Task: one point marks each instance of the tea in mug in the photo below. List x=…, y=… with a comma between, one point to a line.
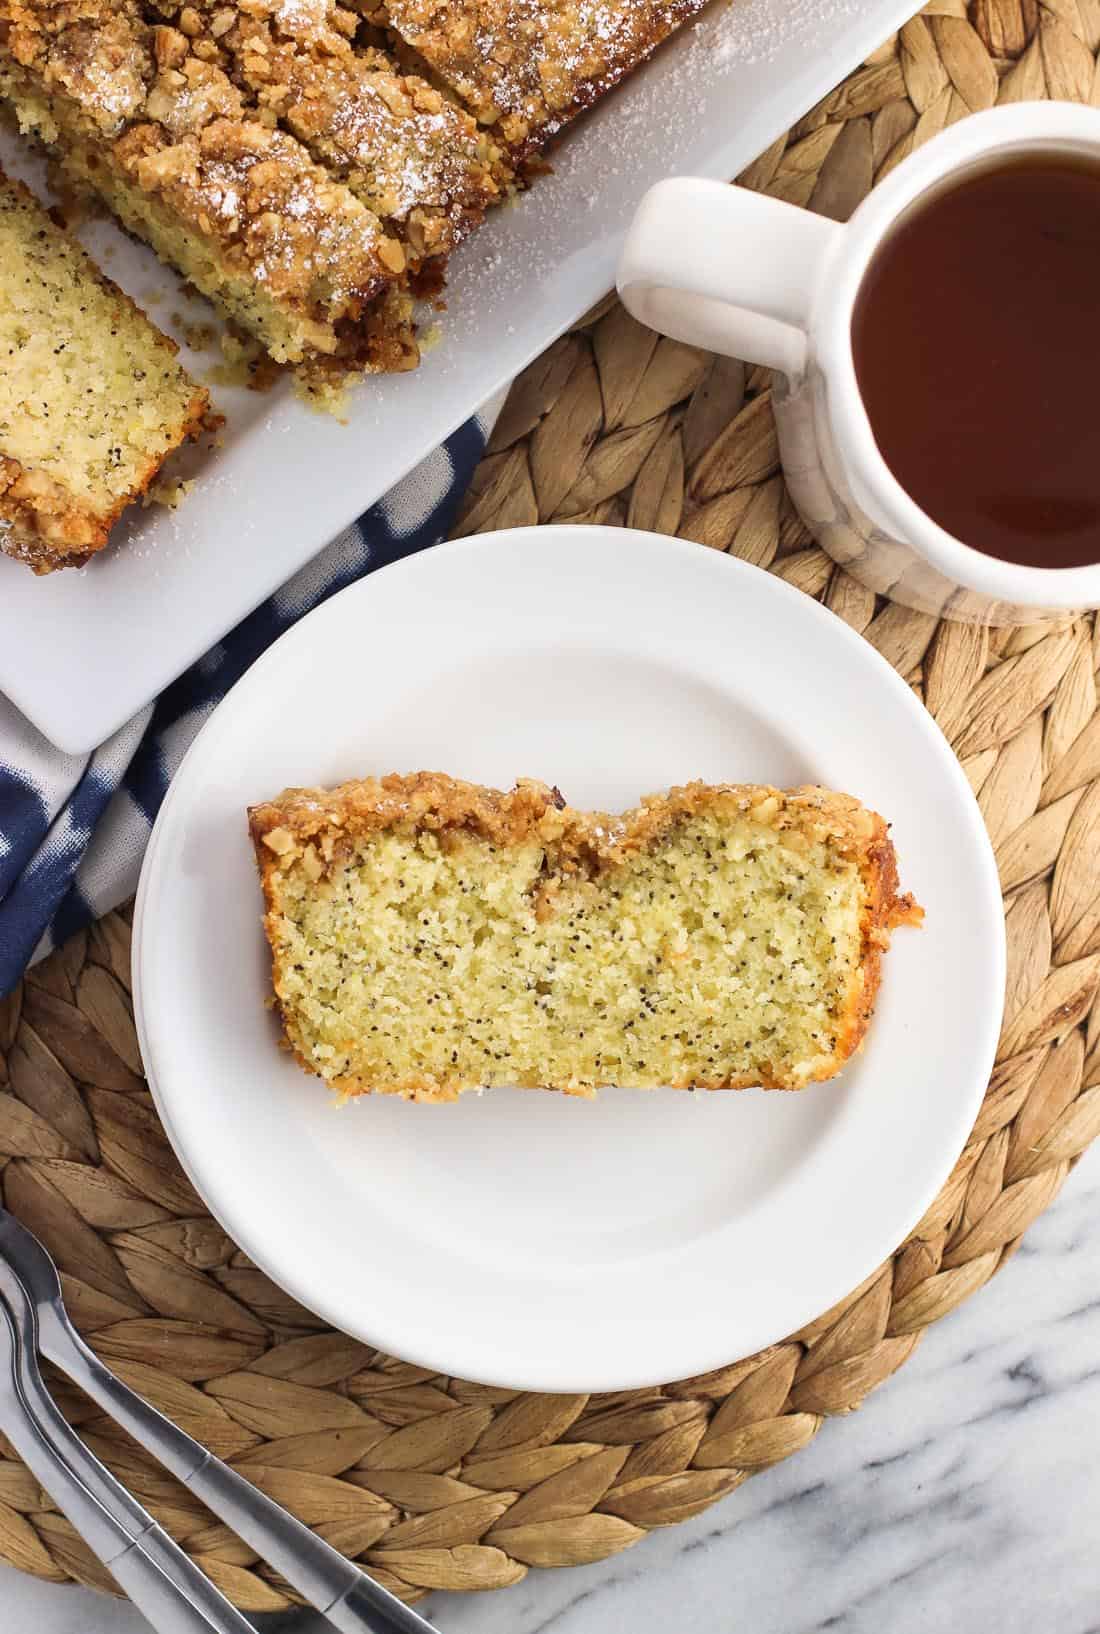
x=976, y=341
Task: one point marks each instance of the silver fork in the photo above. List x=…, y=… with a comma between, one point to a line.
x=171, y=1591
x=351, y=1600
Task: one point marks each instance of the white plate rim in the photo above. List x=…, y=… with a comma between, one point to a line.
x=454, y=1354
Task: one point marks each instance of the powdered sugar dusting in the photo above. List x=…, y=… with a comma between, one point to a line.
x=409, y=154
x=750, y=32
x=299, y=16
x=526, y=66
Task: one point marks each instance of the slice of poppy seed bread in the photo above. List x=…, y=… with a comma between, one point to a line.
x=92, y=398
x=429, y=936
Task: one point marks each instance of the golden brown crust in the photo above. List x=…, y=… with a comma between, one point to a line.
x=94, y=54
x=43, y=525
x=527, y=67
x=275, y=216
x=532, y=809
x=429, y=800
x=414, y=158
x=885, y=908
x=327, y=823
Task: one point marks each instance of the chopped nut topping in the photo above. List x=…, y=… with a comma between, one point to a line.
x=169, y=47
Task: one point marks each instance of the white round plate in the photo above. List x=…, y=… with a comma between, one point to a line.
x=521, y=1238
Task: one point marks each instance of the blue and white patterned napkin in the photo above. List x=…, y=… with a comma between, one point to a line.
x=73, y=829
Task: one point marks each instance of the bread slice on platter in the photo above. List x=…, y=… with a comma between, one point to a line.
x=92, y=396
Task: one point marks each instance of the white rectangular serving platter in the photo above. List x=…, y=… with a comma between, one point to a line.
x=80, y=652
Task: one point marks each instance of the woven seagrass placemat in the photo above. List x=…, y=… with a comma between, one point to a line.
x=436, y=1483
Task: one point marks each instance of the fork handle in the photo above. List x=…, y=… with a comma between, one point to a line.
x=183, y=1603
x=353, y=1602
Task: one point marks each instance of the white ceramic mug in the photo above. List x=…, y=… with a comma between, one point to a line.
x=740, y=273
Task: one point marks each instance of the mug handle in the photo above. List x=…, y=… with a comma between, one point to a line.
x=726, y=269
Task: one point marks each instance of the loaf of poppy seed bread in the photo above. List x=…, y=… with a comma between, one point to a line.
x=309, y=165
x=235, y=204
x=430, y=936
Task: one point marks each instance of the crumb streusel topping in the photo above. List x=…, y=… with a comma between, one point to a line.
x=183, y=134
x=410, y=155
x=525, y=67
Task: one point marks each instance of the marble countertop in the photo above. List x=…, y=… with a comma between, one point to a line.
x=965, y=1494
